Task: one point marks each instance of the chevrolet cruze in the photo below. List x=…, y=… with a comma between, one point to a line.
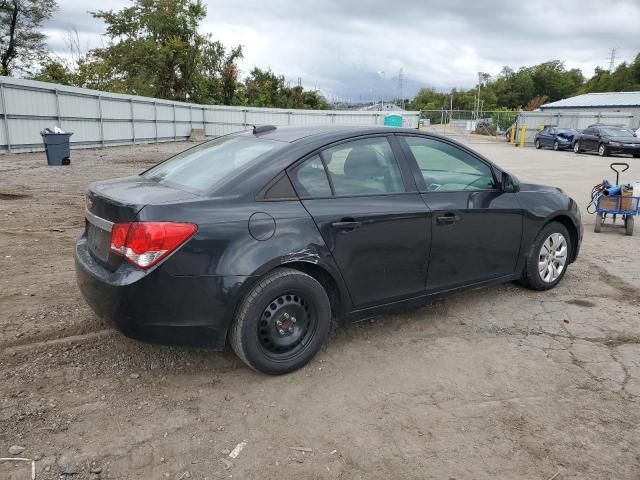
x=260, y=239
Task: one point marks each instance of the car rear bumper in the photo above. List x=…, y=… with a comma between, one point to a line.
x=158, y=307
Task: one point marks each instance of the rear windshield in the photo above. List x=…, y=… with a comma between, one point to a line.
x=201, y=168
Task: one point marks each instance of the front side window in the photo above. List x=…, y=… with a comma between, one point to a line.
x=363, y=167
x=446, y=168
x=201, y=168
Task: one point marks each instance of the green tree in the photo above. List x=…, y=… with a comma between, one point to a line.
x=264, y=88
x=22, y=43
x=155, y=49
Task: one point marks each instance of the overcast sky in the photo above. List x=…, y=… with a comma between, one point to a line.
x=355, y=49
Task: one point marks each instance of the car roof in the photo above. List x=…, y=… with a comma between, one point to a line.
x=292, y=134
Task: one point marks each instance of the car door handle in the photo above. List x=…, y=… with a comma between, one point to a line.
x=447, y=219
x=346, y=224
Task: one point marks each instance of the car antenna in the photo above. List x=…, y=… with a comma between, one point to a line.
x=262, y=129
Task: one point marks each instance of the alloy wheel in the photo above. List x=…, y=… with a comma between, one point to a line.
x=602, y=150
x=556, y=146
x=576, y=147
x=552, y=258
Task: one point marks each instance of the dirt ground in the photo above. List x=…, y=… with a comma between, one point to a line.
x=500, y=383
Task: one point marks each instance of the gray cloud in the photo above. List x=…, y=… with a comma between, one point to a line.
x=339, y=46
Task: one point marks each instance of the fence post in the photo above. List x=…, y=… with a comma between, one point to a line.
x=133, y=123
x=175, y=131
x=155, y=119
x=190, y=119
x=58, y=108
x=101, y=122
x=5, y=119
x=288, y=118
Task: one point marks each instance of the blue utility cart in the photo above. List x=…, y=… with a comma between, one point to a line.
x=612, y=205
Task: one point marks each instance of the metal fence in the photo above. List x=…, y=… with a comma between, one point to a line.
x=473, y=127
x=535, y=121
x=102, y=119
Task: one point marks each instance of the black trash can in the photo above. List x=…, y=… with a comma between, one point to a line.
x=57, y=147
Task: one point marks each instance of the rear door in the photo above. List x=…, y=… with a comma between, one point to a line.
x=366, y=207
x=476, y=227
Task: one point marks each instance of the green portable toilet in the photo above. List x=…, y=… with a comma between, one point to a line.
x=393, y=120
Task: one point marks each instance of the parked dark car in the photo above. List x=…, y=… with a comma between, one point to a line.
x=554, y=137
x=607, y=140
x=261, y=238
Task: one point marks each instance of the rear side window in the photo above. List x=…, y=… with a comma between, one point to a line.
x=311, y=180
x=207, y=165
x=446, y=168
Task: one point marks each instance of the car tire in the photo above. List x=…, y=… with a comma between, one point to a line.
x=636, y=155
x=556, y=146
x=602, y=150
x=258, y=339
x=576, y=147
x=628, y=225
x=599, y=221
x=533, y=276
x=537, y=144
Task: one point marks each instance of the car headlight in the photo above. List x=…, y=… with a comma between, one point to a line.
x=615, y=144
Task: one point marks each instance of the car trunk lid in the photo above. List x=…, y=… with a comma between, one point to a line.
x=118, y=201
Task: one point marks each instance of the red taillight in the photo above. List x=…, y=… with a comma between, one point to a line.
x=146, y=243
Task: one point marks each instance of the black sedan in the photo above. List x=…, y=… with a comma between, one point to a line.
x=607, y=140
x=260, y=239
x=554, y=137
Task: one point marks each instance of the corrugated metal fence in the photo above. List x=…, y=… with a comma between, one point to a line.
x=534, y=121
x=101, y=118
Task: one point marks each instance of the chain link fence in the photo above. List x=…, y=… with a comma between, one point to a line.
x=468, y=125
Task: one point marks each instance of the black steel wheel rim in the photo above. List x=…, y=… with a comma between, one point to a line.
x=286, y=326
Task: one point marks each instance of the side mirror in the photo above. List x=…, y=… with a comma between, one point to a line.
x=509, y=183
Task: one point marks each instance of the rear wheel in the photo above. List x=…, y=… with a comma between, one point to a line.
x=628, y=225
x=603, y=151
x=537, y=144
x=282, y=322
x=548, y=257
x=599, y=221
x=576, y=147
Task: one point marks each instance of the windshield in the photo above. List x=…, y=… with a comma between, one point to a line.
x=206, y=165
x=617, y=132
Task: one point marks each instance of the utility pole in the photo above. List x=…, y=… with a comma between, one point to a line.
x=401, y=80
x=478, y=98
x=612, y=60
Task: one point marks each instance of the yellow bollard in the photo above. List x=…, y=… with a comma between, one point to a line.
x=523, y=131
x=512, y=141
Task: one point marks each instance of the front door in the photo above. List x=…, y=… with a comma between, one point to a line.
x=377, y=231
x=476, y=228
